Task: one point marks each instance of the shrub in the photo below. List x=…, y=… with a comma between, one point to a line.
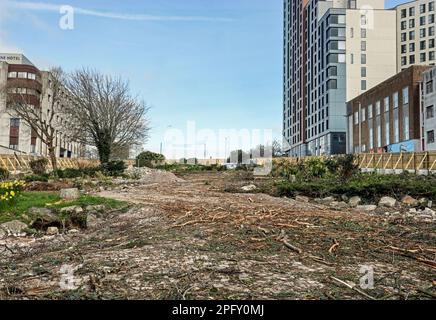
x=36, y=178
x=114, y=168
x=4, y=173
x=283, y=169
x=39, y=166
x=148, y=158
x=69, y=173
x=314, y=168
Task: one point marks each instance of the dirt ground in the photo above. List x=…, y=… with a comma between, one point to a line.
x=193, y=239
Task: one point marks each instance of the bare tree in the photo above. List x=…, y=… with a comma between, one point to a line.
x=44, y=123
x=110, y=117
x=277, y=149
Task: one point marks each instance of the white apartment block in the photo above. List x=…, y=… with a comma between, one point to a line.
x=428, y=109
x=416, y=33
x=16, y=137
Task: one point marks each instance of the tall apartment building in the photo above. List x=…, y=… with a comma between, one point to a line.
x=416, y=33
x=347, y=48
x=294, y=84
x=16, y=136
x=428, y=115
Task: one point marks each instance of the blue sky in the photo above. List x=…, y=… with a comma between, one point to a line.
x=215, y=62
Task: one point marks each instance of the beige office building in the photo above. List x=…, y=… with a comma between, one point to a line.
x=16, y=136
x=416, y=34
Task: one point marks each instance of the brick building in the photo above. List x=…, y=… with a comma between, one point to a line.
x=388, y=117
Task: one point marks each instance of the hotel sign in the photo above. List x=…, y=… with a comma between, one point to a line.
x=10, y=58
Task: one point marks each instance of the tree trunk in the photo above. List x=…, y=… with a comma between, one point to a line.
x=104, y=151
x=52, y=155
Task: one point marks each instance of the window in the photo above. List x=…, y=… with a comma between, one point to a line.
x=422, y=57
x=431, y=31
x=356, y=118
x=332, y=84
x=412, y=59
x=430, y=136
x=422, y=45
x=336, y=58
x=363, y=45
x=403, y=13
x=431, y=6
x=431, y=43
x=412, y=47
x=403, y=48
x=352, y=58
x=396, y=126
x=422, y=21
x=395, y=100
x=31, y=76
x=422, y=33
x=332, y=71
x=412, y=23
x=404, y=37
x=412, y=11
x=386, y=104
x=363, y=114
x=431, y=18
x=363, y=33
x=422, y=8
x=370, y=111
x=363, y=20
x=363, y=72
x=377, y=108
x=406, y=95
x=431, y=56
x=429, y=112
x=403, y=25
x=429, y=87
x=363, y=59
x=403, y=61
x=406, y=131
x=412, y=35
x=22, y=75
x=14, y=131
x=363, y=85
x=12, y=75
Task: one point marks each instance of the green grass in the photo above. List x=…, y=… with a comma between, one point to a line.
x=29, y=200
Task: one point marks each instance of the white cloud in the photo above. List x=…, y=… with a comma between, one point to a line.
x=42, y=6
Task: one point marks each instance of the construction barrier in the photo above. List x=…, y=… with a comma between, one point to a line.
x=22, y=163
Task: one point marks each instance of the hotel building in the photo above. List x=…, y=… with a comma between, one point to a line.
x=16, y=136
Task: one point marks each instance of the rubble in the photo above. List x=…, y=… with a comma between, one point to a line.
x=409, y=201
x=249, y=188
x=194, y=240
x=70, y=194
x=14, y=228
x=387, y=202
x=355, y=201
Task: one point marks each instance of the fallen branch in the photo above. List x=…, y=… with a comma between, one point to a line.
x=428, y=293
x=185, y=224
x=353, y=287
x=334, y=246
x=292, y=247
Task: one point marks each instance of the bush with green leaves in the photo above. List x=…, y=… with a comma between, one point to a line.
x=148, y=159
x=369, y=186
x=39, y=166
x=37, y=178
x=114, y=168
x=4, y=173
